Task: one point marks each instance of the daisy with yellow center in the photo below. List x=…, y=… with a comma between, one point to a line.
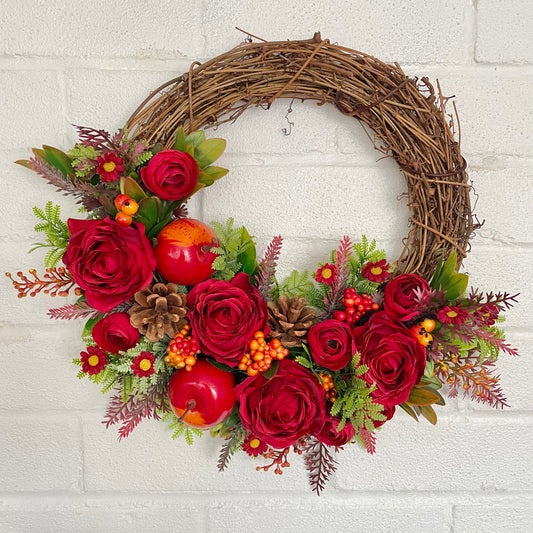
x=376, y=272
x=109, y=167
x=451, y=314
x=93, y=360
x=254, y=446
x=143, y=364
x=326, y=274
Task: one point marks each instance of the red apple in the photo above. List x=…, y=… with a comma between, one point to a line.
x=182, y=251
x=202, y=397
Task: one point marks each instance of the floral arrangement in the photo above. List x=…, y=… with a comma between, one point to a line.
x=184, y=324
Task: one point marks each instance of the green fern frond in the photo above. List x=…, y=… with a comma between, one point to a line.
x=56, y=231
x=298, y=283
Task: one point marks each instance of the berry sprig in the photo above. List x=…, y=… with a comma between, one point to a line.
x=279, y=457
x=182, y=350
x=356, y=306
x=329, y=387
x=57, y=282
x=261, y=354
x=422, y=331
x=127, y=207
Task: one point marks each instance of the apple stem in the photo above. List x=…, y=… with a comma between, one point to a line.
x=191, y=404
x=206, y=247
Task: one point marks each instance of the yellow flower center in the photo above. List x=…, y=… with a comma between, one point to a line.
x=452, y=314
x=376, y=271
x=327, y=273
x=145, y=364
x=109, y=166
x=93, y=360
x=254, y=443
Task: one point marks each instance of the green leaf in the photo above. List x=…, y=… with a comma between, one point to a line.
x=428, y=413
x=180, y=142
x=409, y=410
x=24, y=163
x=248, y=258
x=215, y=173
x=195, y=138
x=209, y=151
x=297, y=283
x=130, y=187
x=148, y=212
x=452, y=283
x=87, y=329
x=58, y=159
x=419, y=396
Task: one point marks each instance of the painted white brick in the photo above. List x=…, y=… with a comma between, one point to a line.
x=503, y=269
x=113, y=95
x=87, y=515
x=32, y=109
x=41, y=453
x=497, y=198
x=509, y=516
x=403, y=447
x=379, y=516
x=323, y=203
x=158, y=29
x=52, y=381
x=494, y=115
x=504, y=31
x=389, y=30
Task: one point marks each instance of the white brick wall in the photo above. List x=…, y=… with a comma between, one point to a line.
x=92, y=63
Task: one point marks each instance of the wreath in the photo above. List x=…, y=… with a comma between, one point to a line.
x=184, y=323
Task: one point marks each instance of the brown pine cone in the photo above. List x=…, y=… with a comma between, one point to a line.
x=160, y=309
x=290, y=319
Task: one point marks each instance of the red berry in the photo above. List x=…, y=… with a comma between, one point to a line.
x=120, y=199
x=357, y=300
x=123, y=219
x=339, y=315
x=375, y=307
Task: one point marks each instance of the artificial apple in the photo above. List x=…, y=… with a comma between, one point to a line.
x=182, y=251
x=202, y=397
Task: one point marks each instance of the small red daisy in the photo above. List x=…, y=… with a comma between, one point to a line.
x=451, y=314
x=254, y=446
x=326, y=274
x=93, y=360
x=109, y=166
x=143, y=364
x=376, y=272
x=488, y=314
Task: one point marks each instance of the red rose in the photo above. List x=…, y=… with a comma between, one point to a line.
x=108, y=261
x=171, y=174
x=331, y=437
x=224, y=315
x=331, y=343
x=399, y=298
x=395, y=359
x=284, y=408
x=114, y=333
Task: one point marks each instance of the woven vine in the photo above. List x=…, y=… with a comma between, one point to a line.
x=407, y=115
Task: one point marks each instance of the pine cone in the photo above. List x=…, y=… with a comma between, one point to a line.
x=290, y=319
x=161, y=309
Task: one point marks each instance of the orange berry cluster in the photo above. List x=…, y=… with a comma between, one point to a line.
x=182, y=350
x=329, y=387
x=127, y=207
x=261, y=354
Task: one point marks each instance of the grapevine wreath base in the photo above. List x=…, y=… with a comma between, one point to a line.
x=185, y=324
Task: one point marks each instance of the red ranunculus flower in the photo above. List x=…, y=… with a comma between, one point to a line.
x=376, y=272
x=114, y=333
x=93, y=360
x=395, y=359
x=331, y=437
x=143, y=364
x=108, y=261
x=171, y=174
x=399, y=297
x=284, y=408
x=331, y=343
x=224, y=315
x=451, y=314
x=109, y=166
